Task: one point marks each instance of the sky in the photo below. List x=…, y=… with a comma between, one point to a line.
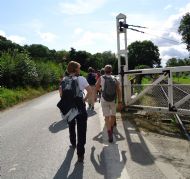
x=90, y=25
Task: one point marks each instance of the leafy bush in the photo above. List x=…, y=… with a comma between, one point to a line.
x=49, y=73
x=17, y=70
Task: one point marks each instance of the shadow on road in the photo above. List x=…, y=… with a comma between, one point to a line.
x=109, y=162
x=77, y=172
x=58, y=126
x=118, y=136
x=91, y=112
x=99, y=137
x=137, y=146
x=64, y=169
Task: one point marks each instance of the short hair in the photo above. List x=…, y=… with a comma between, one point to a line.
x=108, y=69
x=72, y=67
x=102, y=71
x=90, y=69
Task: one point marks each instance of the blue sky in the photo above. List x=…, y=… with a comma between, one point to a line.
x=91, y=24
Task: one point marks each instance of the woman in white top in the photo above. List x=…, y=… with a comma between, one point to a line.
x=73, y=70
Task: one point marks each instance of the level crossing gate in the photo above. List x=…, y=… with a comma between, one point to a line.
x=160, y=93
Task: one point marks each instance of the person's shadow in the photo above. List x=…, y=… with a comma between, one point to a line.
x=64, y=169
x=77, y=172
x=58, y=126
x=91, y=112
x=110, y=163
x=118, y=135
x=99, y=138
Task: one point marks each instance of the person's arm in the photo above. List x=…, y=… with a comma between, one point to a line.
x=89, y=92
x=119, y=99
x=98, y=84
x=60, y=90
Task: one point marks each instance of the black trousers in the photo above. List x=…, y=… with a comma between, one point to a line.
x=81, y=121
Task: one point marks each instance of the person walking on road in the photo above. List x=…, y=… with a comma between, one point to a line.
x=110, y=90
x=91, y=78
x=73, y=70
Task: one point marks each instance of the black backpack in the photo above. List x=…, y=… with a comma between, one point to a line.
x=109, y=92
x=71, y=95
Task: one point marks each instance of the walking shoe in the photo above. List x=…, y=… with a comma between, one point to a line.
x=81, y=158
x=110, y=136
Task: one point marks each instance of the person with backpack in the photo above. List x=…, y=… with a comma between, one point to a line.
x=110, y=90
x=73, y=106
x=91, y=78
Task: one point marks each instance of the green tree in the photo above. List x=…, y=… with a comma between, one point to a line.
x=81, y=57
x=172, y=62
x=17, y=70
x=143, y=53
x=184, y=29
x=49, y=73
x=8, y=45
x=110, y=58
x=38, y=51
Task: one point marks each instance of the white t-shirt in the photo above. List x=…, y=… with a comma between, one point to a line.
x=83, y=83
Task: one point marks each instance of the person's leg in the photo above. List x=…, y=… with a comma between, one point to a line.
x=72, y=133
x=113, y=122
x=93, y=96
x=106, y=114
x=109, y=129
x=113, y=114
x=81, y=133
x=107, y=122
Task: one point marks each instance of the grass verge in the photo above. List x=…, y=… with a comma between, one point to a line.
x=10, y=97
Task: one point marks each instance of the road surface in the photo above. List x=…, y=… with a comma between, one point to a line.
x=35, y=145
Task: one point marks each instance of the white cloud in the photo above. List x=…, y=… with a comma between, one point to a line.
x=168, y=7
x=2, y=33
x=87, y=40
x=165, y=35
x=175, y=51
x=47, y=36
x=17, y=39
x=14, y=38
x=78, y=31
x=81, y=6
x=185, y=9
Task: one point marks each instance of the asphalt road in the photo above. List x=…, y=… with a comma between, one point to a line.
x=34, y=144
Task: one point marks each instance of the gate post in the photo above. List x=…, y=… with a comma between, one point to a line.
x=122, y=54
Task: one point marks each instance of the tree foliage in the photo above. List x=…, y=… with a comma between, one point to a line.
x=184, y=29
x=143, y=53
x=172, y=62
x=8, y=45
x=38, y=51
x=18, y=70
